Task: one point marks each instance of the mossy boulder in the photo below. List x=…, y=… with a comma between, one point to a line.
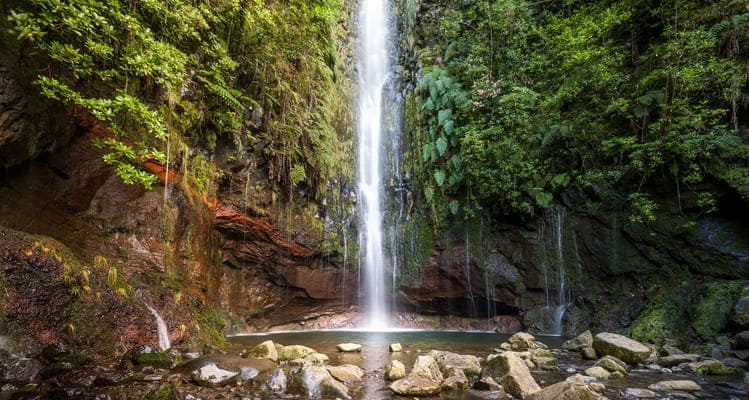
x=621, y=347
x=741, y=312
x=713, y=310
x=292, y=352
x=267, y=349
x=512, y=373
x=446, y=360
x=160, y=359
x=580, y=342
x=612, y=364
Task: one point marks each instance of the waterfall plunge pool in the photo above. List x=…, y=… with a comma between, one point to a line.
x=375, y=356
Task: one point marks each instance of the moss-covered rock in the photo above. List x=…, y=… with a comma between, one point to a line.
x=165, y=359
x=712, y=312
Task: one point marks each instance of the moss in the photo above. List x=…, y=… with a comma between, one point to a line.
x=167, y=391
x=712, y=312
x=664, y=316
x=209, y=324
x=202, y=173
x=163, y=360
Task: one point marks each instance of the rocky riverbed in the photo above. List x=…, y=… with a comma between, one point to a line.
x=421, y=364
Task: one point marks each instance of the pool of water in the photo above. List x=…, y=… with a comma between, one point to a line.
x=375, y=356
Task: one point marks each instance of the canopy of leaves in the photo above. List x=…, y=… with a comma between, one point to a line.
x=616, y=96
x=192, y=71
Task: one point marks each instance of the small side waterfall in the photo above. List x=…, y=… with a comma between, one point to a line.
x=555, y=278
x=161, y=328
x=373, y=73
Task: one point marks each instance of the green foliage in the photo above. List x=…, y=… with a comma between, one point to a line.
x=603, y=96
x=194, y=71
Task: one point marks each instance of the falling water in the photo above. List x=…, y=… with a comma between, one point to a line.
x=373, y=70
x=164, y=343
x=559, y=304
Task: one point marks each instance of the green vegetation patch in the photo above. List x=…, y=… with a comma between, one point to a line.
x=712, y=311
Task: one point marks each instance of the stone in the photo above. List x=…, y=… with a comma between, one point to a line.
x=598, y=372
x=581, y=380
x=395, y=348
x=159, y=359
x=446, y=360
x=294, y=351
x=317, y=358
x=741, y=341
x=416, y=386
x=676, y=359
x=267, y=349
x=567, y=391
x=210, y=375
x=580, y=342
x=349, y=347
x=395, y=370
x=621, y=347
x=735, y=363
x=167, y=391
x=683, y=385
x=612, y=364
x=114, y=378
x=427, y=367
x=19, y=370
x=635, y=393
x=487, y=383
x=741, y=312
x=547, y=363
x=456, y=380
x=511, y=372
x=710, y=367
x=277, y=382
x=346, y=373
x=309, y=379
x=331, y=388
x=589, y=353
x=597, y=387
x=669, y=350
x=522, y=341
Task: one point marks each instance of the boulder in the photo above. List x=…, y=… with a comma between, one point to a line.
x=522, y=341
x=682, y=385
x=741, y=341
x=511, y=371
x=277, y=382
x=349, y=347
x=309, y=379
x=427, y=367
x=346, y=373
x=395, y=348
x=612, y=364
x=598, y=372
x=447, y=360
x=331, y=388
x=710, y=367
x=395, y=370
x=741, y=312
x=577, y=344
x=676, y=359
x=317, y=358
x=636, y=393
x=456, y=380
x=210, y=375
x=294, y=351
x=156, y=359
x=621, y=347
x=487, y=383
x=589, y=353
x=567, y=391
x=267, y=349
x=416, y=386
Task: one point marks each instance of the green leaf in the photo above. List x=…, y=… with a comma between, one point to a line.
x=454, y=207
x=426, y=153
x=449, y=126
x=543, y=199
x=443, y=116
x=439, y=177
x=456, y=161
x=560, y=180
x=441, y=146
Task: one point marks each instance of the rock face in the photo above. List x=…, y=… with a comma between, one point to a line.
x=512, y=373
x=621, y=347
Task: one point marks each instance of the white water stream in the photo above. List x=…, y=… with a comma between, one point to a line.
x=373, y=72
x=164, y=343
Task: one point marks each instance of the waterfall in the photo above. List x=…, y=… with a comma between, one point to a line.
x=555, y=273
x=164, y=343
x=373, y=71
